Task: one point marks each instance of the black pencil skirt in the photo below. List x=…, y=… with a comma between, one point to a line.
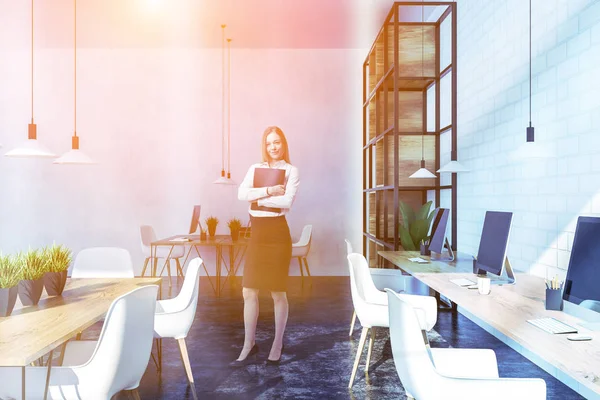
x=269, y=254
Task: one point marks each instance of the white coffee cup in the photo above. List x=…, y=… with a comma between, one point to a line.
x=484, y=285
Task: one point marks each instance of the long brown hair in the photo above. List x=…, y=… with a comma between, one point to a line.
x=284, y=143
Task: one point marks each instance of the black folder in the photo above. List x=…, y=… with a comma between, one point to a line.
x=265, y=177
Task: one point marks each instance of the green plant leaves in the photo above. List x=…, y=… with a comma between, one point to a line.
x=415, y=226
x=10, y=272
x=408, y=215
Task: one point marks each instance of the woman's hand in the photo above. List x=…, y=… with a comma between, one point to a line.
x=278, y=190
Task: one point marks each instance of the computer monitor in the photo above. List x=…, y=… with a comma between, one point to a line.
x=195, y=219
x=438, y=232
x=581, y=293
x=491, y=256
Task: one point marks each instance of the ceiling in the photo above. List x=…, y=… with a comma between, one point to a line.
x=193, y=23
x=185, y=23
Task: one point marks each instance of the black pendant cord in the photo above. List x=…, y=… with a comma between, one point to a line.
x=529, y=63
x=422, y=75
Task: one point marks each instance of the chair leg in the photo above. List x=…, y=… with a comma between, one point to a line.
x=169, y=270
x=359, y=350
x=145, y=265
x=370, y=349
x=352, y=323
x=300, y=264
x=135, y=394
x=307, y=269
x=186, y=364
x=179, y=269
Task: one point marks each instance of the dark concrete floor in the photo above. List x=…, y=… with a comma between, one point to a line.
x=318, y=355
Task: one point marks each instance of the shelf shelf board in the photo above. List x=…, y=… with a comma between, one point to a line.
x=379, y=137
x=407, y=188
x=378, y=241
x=385, y=76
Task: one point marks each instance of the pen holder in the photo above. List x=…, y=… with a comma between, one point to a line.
x=425, y=250
x=553, y=299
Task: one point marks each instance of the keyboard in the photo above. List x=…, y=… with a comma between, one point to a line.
x=552, y=325
x=463, y=282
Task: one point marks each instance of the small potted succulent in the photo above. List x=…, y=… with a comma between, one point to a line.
x=202, y=232
x=10, y=275
x=58, y=258
x=234, y=225
x=211, y=223
x=33, y=266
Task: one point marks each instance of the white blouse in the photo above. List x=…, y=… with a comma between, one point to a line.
x=248, y=193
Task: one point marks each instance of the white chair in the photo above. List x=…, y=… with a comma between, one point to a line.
x=382, y=278
x=174, y=317
x=166, y=253
x=371, y=307
x=97, y=369
x=301, y=248
x=103, y=262
x=448, y=373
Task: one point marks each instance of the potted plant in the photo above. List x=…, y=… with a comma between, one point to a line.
x=234, y=225
x=10, y=275
x=33, y=267
x=202, y=232
x=58, y=258
x=211, y=223
x=415, y=227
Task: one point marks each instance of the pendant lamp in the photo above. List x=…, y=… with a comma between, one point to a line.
x=225, y=179
x=422, y=172
x=532, y=149
x=74, y=156
x=31, y=148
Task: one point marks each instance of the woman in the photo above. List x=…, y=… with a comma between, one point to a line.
x=270, y=249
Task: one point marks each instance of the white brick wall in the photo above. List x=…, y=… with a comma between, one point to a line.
x=546, y=195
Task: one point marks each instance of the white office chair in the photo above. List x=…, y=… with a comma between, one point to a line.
x=372, y=310
x=97, y=369
x=301, y=248
x=103, y=262
x=382, y=278
x=174, y=317
x=166, y=253
x=453, y=373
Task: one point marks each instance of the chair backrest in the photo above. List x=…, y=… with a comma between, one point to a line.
x=103, y=262
x=413, y=364
x=123, y=350
x=348, y=247
x=361, y=285
x=305, y=237
x=147, y=236
x=187, y=300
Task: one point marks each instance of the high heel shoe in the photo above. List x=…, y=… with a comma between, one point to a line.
x=275, y=362
x=245, y=361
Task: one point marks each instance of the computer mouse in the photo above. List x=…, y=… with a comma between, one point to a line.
x=579, y=337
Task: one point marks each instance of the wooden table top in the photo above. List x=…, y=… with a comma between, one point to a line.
x=31, y=332
x=194, y=240
x=507, y=309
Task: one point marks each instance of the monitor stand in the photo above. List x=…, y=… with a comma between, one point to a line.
x=510, y=276
x=450, y=252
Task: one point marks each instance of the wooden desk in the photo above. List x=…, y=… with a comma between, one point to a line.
x=31, y=332
x=236, y=249
x=504, y=313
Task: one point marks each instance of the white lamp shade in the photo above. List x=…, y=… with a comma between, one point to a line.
x=74, y=156
x=423, y=173
x=224, y=181
x=453, y=166
x=30, y=149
